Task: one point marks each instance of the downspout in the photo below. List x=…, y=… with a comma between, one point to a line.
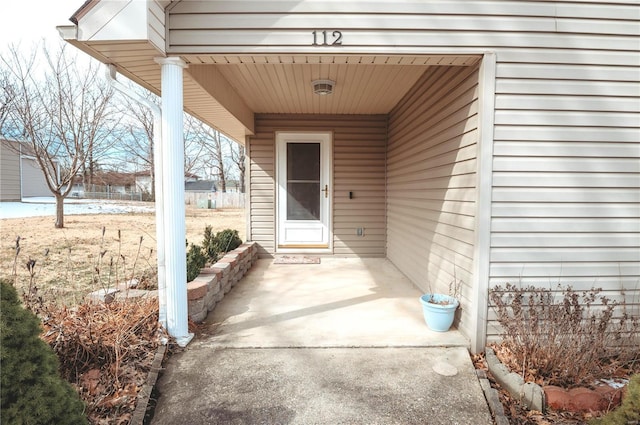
x=157, y=167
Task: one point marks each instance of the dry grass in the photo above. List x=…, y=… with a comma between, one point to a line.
x=73, y=261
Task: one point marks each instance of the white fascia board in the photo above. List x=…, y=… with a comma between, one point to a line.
x=68, y=32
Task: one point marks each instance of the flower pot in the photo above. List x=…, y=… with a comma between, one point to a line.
x=439, y=311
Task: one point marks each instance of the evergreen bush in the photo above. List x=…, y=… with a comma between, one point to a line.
x=195, y=261
x=31, y=389
x=629, y=411
x=223, y=241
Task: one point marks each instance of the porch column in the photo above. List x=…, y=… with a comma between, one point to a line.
x=174, y=227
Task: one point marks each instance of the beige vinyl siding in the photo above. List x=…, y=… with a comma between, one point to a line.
x=566, y=178
x=431, y=180
x=9, y=173
x=33, y=180
x=156, y=28
x=236, y=27
x=359, y=144
x=261, y=177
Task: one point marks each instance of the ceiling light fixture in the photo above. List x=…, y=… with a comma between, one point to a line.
x=323, y=87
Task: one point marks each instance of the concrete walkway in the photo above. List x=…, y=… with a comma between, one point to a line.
x=342, y=342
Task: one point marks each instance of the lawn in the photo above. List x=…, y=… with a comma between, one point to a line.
x=93, y=251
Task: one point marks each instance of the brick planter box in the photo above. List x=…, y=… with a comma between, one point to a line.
x=205, y=291
x=208, y=289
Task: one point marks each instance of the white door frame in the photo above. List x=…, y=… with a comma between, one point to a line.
x=326, y=180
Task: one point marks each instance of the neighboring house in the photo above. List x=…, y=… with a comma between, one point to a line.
x=200, y=186
x=489, y=142
x=20, y=174
x=143, y=180
x=104, y=182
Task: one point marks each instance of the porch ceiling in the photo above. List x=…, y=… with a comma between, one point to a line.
x=283, y=84
x=226, y=90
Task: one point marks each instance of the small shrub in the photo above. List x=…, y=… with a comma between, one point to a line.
x=208, y=243
x=629, y=411
x=223, y=241
x=195, y=261
x=569, y=340
x=32, y=391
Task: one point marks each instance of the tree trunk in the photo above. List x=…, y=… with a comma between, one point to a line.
x=240, y=163
x=59, y=211
x=223, y=181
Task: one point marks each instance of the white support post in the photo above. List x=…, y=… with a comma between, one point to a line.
x=174, y=226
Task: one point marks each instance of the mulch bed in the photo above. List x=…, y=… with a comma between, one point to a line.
x=106, y=352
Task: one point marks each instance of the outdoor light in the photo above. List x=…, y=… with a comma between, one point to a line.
x=323, y=87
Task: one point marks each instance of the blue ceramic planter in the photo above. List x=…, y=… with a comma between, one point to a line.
x=439, y=311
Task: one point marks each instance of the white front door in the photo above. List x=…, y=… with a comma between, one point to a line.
x=304, y=191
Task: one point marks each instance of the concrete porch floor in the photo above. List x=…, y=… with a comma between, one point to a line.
x=342, y=342
x=341, y=302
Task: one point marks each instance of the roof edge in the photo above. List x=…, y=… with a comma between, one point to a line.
x=82, y=10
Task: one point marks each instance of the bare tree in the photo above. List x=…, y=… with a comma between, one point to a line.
x=237, y=157
x=7, y=95
x=62, y=111
x=138, y=146
x=196, y=135
x=217, y=154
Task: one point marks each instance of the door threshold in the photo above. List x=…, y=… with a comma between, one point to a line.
x=303, y=246
x=303, y=249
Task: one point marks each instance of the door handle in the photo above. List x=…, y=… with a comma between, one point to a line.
x=326, y=191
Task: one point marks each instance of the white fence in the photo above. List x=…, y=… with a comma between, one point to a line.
x=116, y=196
x=218, y=200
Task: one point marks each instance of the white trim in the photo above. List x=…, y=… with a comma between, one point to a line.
x=482, y=237
x=247, y=188
x=326, y=156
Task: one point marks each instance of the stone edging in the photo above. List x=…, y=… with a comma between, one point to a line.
x=529, y=393
x=535, y=397
x=211, y=285
x=493, y=399
x=145, y=393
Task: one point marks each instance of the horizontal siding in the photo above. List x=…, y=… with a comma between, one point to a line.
x=359, y=149
x=261, y=172
x=156, y=25
x=431, y=180
x=566, y=175
x=33, y=180
x=9, y=173
x=219, y=26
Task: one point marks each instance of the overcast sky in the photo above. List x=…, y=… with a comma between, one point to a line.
x=28, y=21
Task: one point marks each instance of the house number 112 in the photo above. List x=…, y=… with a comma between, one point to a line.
x=327, y=38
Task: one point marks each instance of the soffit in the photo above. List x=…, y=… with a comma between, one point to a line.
x=136, y=61
x=364, y=84
x=280, y=83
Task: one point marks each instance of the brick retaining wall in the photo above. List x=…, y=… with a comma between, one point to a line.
x=211, y=285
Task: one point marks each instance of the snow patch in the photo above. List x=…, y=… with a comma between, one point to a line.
x=44, y=206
